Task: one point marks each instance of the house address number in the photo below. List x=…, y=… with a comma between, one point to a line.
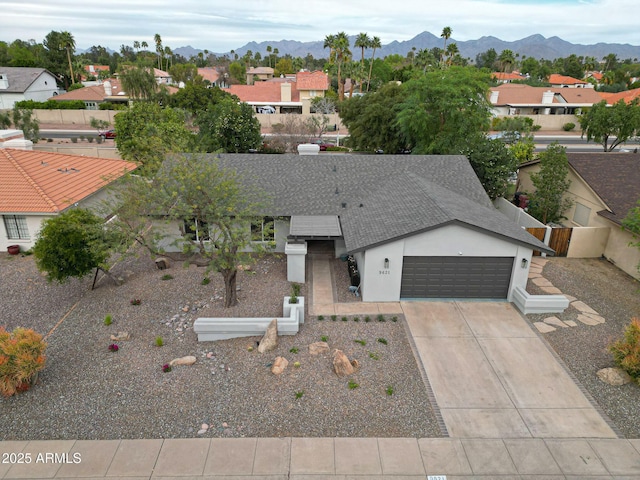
x=436, y=477
x=384, y=272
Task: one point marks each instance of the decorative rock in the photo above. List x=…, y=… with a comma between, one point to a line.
x=202, y=431
x=551, y=290
x=188, y=360
x=318, y=348
x=534, y=275
x=341, y=364
x=614, y=376
x=542, y=282
x=590, y=320
x=270, y=339
x=570, y=298
x=162, y=263
x=120, y=336
x=210, y=354
x=279, y=365
x=571, y=323
x=583, y=307
x=555, y=321
x=543, y=327
x=185, y=309
x=596, y=317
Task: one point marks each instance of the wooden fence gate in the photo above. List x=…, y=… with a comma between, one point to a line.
x=560, y=239
x=539, y=233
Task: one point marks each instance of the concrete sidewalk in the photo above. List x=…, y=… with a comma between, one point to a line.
x=324, y=458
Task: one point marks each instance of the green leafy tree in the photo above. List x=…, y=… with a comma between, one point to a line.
x=493, y=162
x=73, y=244
x=632, y=223
x=23, y=120
x=548, y=202
x=56, y=56
x=238, y=73
x=146, y=133
x=487, y=59
x=139, y=83
x=371, y=120
x=616, y=124
x=217, y=208
x=100, y=125
x=5, y=120
x=183, y=72
x=229, y=126
x=443, y=108
x=197, y=97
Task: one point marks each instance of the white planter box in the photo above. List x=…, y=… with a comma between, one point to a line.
x=287, y=307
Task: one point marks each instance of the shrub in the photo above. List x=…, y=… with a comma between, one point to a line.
x=374, y=356
x=383, y=341
x=90, y=139
x=51, y=105
x=135, y=301
x=21, y=358
x=166, y=368
x=381, y=318
x=367, y=319
x=74, y=139
x=108, y=320
x=361, y=342
x=295, y=291
x=394, y=319
x=296, y=364
x=159, y=342
x=356, y=319
x=114, y=347
x=353, y=385
x=166, y=276
x=299, y=394
x=345, y=319
x=99, y=140
x=205, y=281
x=626, y=352
x=567, y=127
x=293, y=350
x=334, y=317
x=320, y=317
x=324, y=338
x=389, y=390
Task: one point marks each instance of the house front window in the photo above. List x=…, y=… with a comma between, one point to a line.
x=16, y=227
x=196, y=230
x=263, y=230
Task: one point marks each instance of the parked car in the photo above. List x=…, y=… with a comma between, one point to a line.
x=109, y=134
x=266, y=109
x=322, y=144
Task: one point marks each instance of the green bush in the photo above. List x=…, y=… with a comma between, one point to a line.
x=626, y=352
x=159, y=342
x=74, y=139
x=108, y=320
x=52, y=105
x=567, y=127
x=112, y=106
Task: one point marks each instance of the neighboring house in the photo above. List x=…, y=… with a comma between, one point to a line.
x=93, y=96
x=214, y=77
x=162, y=77
x=519, y=99
x=563, y=81
x=628, y=96
x=503, y=77
x=22, y=83
x=604, y=187
x=97, y=71
x=418, y=226
x=36, y=185
x=287, y=94
x=259, y=74
x=596, y=77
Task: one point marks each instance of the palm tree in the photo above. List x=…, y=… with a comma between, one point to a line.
x=169, y=53
x=159, y=49
x=362, y=41
x=144, y=44
x=506, y=59
x=446, y=34
x=68, y=43
x=452, y=51
x=375, y=43
x=136, y=45
x=340, y=53
x=269, y=52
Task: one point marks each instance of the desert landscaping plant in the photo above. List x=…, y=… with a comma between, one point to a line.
x=353, y=385
x=159, y=342
x=374, y=356
x=383, y=341
x=324, y=338
x=135, y=301
x=114, y=347
x=166, y=368
x=334, y=317
x=299, y=394
x=367, y=319
x=361, y=342
x=381, y=318
x=345, y=319
x=389, y=390
x=626, y=352
x=293, y=350
x=320, y=317
x=108, y=320
x=166, y=276
x=205, y=281
x=21, y=358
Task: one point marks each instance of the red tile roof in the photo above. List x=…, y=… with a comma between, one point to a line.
x=94, y=93
x=519, y=94
x=265, y=92
x=312, y=80
x=556, y=79
x=44, y=182
x=210, y=74
x=628, y=96
x=502, y=76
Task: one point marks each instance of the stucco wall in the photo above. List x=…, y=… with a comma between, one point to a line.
x=383, y=285
x=516, y=214
x=34, y=223
x=618, y=251
x=588, y=242
x=76, y=149
x=74, y=117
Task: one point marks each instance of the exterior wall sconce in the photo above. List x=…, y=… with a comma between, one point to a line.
x=524, y=263
x=386, y=263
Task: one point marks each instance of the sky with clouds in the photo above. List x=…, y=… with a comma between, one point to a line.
x=220, y=26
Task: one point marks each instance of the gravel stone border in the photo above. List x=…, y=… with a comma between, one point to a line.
x=615, y=296
x=89, y=392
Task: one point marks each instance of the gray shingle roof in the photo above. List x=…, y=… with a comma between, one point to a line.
x=20, y=78
x=378, y=197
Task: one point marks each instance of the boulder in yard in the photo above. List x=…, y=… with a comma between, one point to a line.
x=163, y=263
x=270, y=339
x=318, y=348
x=188, y=360
x=279, y=365
x=614, y=376
x=341, y=364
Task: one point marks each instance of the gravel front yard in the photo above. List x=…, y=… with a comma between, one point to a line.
x=615, y=296
x=88, y=392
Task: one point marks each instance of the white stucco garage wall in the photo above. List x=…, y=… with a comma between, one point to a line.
x=34, y=224
x=383, y=285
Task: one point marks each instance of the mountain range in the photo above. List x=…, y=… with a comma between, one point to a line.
x=535, y=46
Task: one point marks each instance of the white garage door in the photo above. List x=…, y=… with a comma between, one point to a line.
x=456, y=277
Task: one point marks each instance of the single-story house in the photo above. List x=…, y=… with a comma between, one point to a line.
x=92, y=96
x=417, y=226
x=564, y=81
x=507, y=77
x=604, y=187
x=520, y=99
x=36, y=185
x=285, y=94
x=628, y=96
x=23, y=83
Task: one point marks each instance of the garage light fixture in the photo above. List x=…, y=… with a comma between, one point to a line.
x=524, y=263
x=386, y=263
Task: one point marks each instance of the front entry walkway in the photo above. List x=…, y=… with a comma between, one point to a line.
x=493, y=377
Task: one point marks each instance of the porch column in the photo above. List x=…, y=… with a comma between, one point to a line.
x=296, y=257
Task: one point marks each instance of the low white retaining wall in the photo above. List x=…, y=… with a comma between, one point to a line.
x=211, y=329
x=527, y=303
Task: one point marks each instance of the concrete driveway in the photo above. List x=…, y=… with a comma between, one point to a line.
x=493, y=377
